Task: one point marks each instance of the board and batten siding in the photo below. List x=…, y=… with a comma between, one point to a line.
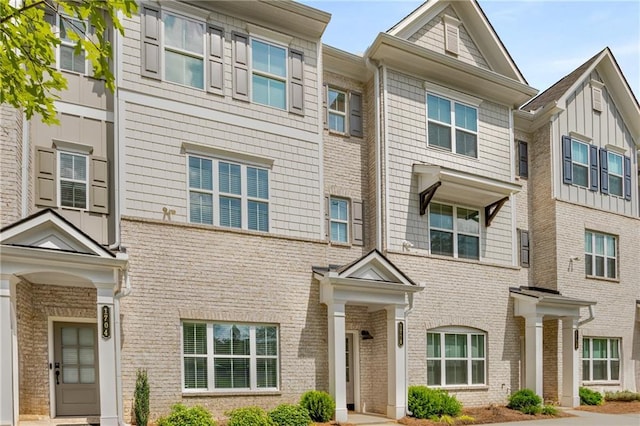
x=431, y=36
x=156, y=167
x=407, y=145
x=133, y=81
x=603, y=128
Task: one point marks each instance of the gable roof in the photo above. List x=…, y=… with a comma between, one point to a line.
x=476, y=23
x=614, y=80
x=48, y=230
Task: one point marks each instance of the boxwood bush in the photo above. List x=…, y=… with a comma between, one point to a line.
x=425, y=403
x=249, y=416
x=187, y=416
x=590, y=397
x=290, y=415
x=320, y=405
x=622, y=396
x=526, y=401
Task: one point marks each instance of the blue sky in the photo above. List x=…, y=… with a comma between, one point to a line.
x=547, y=39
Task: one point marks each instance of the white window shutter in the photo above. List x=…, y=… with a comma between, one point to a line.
x=596, y=97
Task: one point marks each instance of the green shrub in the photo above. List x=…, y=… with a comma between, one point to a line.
x=320, y=405
x=549, y=410
x=590, y=397
x=141, y=398
x=447, y=420
x=290, y=415
x=425, y=402
x=249, y=416
x=523, y=399
x=187, y=416
x=531, y=409
x=622, y=396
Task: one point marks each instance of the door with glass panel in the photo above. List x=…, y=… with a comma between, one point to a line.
x=349, y=370
x=75, y=369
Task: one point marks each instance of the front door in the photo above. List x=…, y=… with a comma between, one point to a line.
x=76, y=369
x=349, y=370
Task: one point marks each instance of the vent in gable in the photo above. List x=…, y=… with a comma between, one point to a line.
x=596, y=95
x=451, y=34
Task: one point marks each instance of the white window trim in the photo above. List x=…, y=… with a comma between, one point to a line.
x=87, y=63
x=606, y=255
x=468, y=332
x=216, y=193
x=346, y=222
x=164, y=48
x=453, y=101
x=608, y=359
x=253, y=71
x=337, y=112
x=455, y=231
x=61, y=179
x=211, y=357
x=621, y=175
x=586, y=166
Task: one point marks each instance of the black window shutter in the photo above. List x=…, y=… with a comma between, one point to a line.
x=523, y=159
x=150, y=37
x=593, y=167
x=355, y=115
x=627, y=178
x=604, y=172
x=567, y=170
x=524, y=249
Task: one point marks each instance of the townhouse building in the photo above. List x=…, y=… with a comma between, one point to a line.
x=253, y=214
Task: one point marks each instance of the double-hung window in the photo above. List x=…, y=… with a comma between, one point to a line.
x=454, y=231
x=228, y=194
x=452, y=125
x=70, y=60
x=337, y=105
x=183, y=50
x=580, y=163
x=456, y=358
x=600, y=254
x=224, y=356
x=73, y=180
x=269, y=74
x=600, y=359
x=339, y=220
x=616, y=173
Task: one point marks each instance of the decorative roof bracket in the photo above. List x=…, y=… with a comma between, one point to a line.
x=426, y=196
x=492, y=210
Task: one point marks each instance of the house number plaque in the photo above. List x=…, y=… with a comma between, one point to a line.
x=400, y=334
x=106, y=322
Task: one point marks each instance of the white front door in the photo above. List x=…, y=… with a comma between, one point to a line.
x=76, y=369
x=349, y=369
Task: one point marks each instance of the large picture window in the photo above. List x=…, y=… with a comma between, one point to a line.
x=183, y=51
x=228, y=194
x=454, y=231
x=224, y=356
x=600, y=255
x=452, y=125
x=456, y=358
x=600, y=359
x=269, y=74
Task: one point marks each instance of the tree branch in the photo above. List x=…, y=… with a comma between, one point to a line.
x=19, y=11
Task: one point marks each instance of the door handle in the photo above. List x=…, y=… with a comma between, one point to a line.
x=57, y=373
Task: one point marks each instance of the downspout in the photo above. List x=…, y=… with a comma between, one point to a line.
x=120, y=293
x=385, y=115
x=406, y=354
x=26, y=156
x=376, y=87
x=590, y=318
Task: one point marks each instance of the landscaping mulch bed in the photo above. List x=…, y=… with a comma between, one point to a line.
x=487, y=415
x=613, y=407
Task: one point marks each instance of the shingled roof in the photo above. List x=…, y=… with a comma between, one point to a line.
x=555, y=92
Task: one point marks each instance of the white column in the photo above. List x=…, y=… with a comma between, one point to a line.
x=533, y=344
x=570, y=362
x=337, y=359
x=396, y=380
x=6, y=356
x=107, y=359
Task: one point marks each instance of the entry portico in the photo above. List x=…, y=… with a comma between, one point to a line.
x=48, y=253
x=371, y=281
x=535, y=305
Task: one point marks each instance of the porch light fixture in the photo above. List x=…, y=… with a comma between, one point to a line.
x=366, y=335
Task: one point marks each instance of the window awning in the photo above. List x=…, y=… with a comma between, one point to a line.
x=462, y=188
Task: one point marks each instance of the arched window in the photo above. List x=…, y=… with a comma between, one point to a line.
x=456, y=356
